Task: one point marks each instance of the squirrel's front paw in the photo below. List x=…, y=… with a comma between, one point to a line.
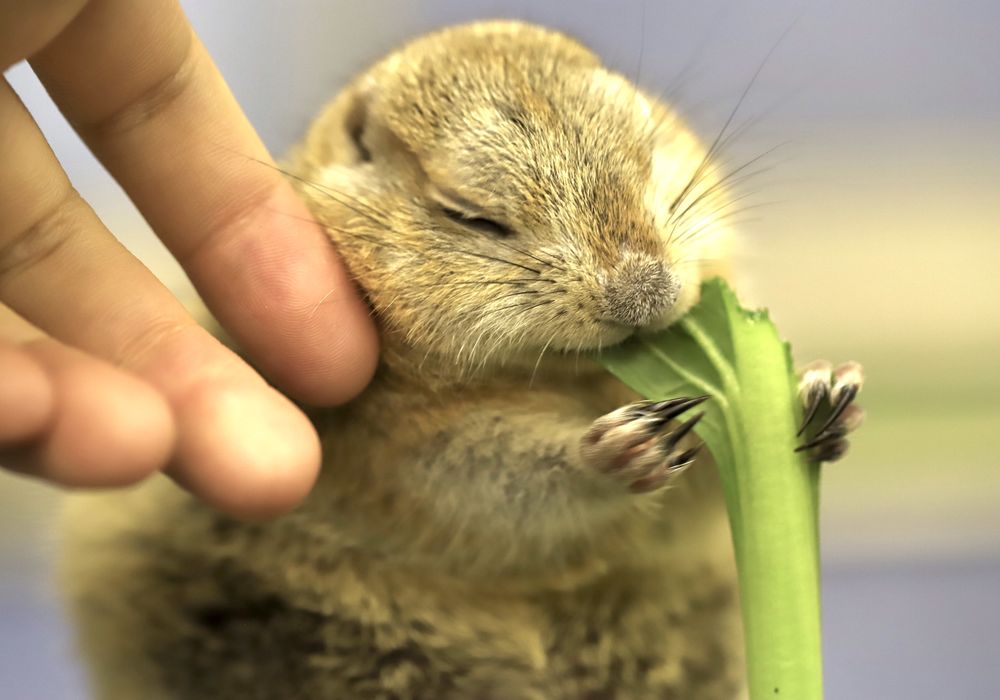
x=635, y=445
x=830, y=412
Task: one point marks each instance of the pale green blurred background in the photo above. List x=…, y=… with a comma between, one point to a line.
x=877, y=239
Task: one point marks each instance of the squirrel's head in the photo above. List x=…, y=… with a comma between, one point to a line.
x=495, y=191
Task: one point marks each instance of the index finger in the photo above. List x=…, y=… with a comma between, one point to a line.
x=143, y=93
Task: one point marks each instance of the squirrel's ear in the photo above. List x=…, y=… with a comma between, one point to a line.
x=352, y=131
x=356, y=116
x=337, y=136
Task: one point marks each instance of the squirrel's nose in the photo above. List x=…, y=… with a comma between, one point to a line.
x=639, y=290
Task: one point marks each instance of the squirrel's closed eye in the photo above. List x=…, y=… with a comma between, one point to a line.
x=477, y=223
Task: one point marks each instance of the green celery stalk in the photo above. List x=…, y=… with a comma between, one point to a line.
x=737, y=357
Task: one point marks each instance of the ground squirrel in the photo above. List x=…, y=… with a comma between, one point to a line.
x=493, y=519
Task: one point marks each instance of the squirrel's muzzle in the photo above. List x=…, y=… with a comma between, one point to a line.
x=638, y=291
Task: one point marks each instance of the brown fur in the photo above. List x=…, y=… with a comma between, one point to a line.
x=459, y=544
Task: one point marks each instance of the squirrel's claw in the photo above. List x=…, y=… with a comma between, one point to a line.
x=829, y=392
x=630, y=444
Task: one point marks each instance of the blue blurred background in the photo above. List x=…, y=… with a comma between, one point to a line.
x=876, y=238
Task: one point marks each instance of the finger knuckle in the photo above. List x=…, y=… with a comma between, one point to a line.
x=149, y=343
x=42, y=239
x=143, y=107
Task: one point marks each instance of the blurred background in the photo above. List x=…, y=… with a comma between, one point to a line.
x=873, y=236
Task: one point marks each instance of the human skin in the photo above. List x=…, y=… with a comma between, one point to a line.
x=106, y=377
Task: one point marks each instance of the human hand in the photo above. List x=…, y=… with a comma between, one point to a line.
x=105, y=377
